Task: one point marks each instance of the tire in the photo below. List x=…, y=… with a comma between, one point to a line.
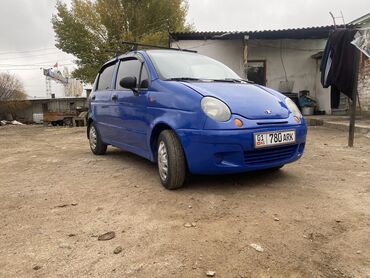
x=96, y=144
x=170, y=156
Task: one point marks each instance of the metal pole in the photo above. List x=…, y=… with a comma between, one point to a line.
x=352, y=121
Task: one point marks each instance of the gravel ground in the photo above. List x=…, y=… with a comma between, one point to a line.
x=310, y=219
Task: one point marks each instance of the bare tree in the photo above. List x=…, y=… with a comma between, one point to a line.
x=12, y=94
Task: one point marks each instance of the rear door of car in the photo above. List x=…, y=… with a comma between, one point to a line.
x=130, y=108
x=101, y=100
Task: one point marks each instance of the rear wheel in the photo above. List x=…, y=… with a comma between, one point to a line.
x=171, y=160
x=96, y=144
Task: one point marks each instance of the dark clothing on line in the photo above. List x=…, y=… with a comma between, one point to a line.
x=334, y=97
x=341, y=73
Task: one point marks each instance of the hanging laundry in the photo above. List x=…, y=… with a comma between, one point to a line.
x=362, y=41
x=334, y=97
x=337, y=66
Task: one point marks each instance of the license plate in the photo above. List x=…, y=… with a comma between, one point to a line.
x=268, y=139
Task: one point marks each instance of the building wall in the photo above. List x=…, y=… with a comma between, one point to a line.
x=34, y=112
x=296, y=55
x=363, y=86
x=300, y=66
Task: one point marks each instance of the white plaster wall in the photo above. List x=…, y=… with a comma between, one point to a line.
x=299, y=65
x=296, y=55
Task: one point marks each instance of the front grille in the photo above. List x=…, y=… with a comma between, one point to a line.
x=272, y=123
x=269, y=155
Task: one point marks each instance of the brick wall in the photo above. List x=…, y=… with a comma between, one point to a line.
x=363, y=85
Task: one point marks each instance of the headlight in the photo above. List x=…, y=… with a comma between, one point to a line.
x=215, y=109
x=293, y=107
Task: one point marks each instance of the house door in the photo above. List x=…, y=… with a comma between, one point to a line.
x=256, y=72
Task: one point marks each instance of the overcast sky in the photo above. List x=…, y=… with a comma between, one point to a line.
x=27, y=38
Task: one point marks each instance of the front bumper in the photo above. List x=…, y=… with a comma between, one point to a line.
x=232, y=151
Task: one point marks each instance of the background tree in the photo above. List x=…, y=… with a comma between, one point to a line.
x=12, y=94
x=93, y=31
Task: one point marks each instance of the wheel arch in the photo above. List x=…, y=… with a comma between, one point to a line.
x=157, y=129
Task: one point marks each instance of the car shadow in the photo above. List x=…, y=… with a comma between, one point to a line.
x=130, y=158
x=263, y=178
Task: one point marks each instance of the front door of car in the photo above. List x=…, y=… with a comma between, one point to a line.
x=100, y=102
x=129, y=107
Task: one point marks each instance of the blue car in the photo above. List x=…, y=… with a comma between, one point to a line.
x=191, y=114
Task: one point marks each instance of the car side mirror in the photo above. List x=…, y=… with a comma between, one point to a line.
x=128, y=82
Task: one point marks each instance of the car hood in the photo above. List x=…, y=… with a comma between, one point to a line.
x=248, y=100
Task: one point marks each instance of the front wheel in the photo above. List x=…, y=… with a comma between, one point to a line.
x=171, y=160
x=96, y=144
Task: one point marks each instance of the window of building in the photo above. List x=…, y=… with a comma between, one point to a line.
x=256, y=72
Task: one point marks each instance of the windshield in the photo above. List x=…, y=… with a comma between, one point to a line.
x=177, y=65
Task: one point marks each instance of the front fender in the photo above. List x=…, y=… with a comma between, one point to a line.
x=175, y=106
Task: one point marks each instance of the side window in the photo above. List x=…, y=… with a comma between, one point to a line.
x=105, y=79
x=132, y=67
x=144, y=78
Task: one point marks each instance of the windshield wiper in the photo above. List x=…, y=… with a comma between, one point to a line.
x=182, y=79
x=233, y=80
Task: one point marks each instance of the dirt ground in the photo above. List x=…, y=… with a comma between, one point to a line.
x=312, y=218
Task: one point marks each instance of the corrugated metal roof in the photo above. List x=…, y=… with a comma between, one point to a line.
x=361, y=20
x=319, y=32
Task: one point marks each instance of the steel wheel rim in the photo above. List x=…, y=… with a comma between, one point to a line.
x=93, y=138
x=162, y=161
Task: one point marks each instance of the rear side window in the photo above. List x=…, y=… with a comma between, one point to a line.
x=135, y=68
x=105, y=78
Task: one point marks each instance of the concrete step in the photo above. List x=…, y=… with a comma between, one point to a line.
x=341, y=123
x=339, y=112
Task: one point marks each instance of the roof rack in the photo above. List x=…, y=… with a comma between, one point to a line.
x=135, y=46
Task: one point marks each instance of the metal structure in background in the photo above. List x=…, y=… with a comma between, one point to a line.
x=54, y=75
x=72, y=87
x=337, y=17
x=48, y=86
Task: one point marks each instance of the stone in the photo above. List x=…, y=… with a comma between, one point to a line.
x=256, y=247
x=117, y=250
x=65, y=246
x=187, y=225
x=36, y=267
x=211, y=273
x=107, y=236
x=276, y=219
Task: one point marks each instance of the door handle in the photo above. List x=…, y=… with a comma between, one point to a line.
x=114, y=97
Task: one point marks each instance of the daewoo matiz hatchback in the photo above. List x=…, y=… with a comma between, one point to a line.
x=191, y=114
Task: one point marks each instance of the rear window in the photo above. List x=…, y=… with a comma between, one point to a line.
x=105, y=78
